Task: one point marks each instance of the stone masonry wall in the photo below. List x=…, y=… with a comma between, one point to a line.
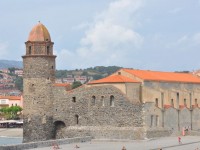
x=98, y=116
x=38, y=98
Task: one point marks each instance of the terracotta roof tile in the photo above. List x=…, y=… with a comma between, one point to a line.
x=62, y=84
x=114, y=79
x=167, y=106
x=164, y=76
x=39, y=33
x=11, y=97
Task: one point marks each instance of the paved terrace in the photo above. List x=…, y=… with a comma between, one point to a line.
x=166, y=143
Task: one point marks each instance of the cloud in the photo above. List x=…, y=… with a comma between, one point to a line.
x=182, y=39
x=110, y=38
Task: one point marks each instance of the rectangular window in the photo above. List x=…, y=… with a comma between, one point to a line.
x=196, y=103
x=177, y=99
x=157, y=121
x=190, y=100
x=3, y=101
x=162, y=99
x=151, y=122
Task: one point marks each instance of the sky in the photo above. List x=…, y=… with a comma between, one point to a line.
x=161, y=35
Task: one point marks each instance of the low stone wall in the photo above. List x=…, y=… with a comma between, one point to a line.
x=194, y=133
x=40, y=144
x=153, y=133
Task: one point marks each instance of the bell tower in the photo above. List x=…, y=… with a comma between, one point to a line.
x=38, y=79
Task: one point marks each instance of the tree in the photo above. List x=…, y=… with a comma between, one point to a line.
x=85, y=73
x=12, y=70
x=19, y=83
x=11, y=112
x=76, y=84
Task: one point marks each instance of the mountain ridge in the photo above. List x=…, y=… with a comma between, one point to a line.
x=10, y=63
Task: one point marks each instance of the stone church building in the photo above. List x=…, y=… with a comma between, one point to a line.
x=129, y=104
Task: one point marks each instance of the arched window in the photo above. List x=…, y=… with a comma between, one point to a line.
x=156, y=102
x=77, y=119
x=48, y=50
x=74, y=99
x=172, y=102
x=185, y=102
x=102, y=101
x=93, y=101
x=29, y=50
x=111, y=100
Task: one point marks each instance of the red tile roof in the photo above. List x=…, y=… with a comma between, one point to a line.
x=11, y=97
x=114, y=79
x=62, y=84
x=164, y=76
x=39, y=33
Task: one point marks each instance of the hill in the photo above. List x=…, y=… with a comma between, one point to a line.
x=95, y=72
x=10, y=63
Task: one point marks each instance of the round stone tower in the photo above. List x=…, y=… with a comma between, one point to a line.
x=38, y=78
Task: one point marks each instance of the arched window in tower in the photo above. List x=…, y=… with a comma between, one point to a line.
x=77, y=119
x=112, y=101
x=29, y=50
x=48, y=52
x=93, y=101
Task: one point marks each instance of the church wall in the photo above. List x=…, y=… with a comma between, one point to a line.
x=153, y=90
x=120, y=86
x=122, y=119
x=131, y=90
x=171, y=119
x=153, y=115
x=185, y=119
x=196, y=119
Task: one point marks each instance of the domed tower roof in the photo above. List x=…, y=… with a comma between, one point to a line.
x=39, y=33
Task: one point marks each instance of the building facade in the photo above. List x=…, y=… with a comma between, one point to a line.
x=129, y=104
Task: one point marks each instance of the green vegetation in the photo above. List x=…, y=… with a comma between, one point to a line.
x=19, y=83
x=76, y=84
x=95, y=72
x=11, y=112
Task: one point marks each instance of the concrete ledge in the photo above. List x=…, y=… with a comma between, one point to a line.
x=177, y=145
x=48, y=143
x=117, y=140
